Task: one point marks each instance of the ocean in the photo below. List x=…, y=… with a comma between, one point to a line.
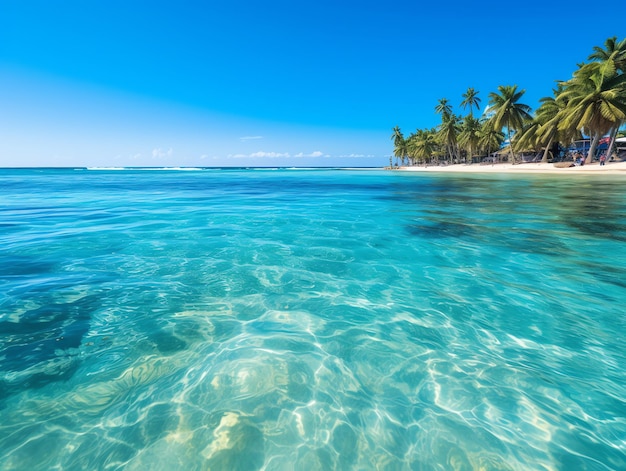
x=320, y=319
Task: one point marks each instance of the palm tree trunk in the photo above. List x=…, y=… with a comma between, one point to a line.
x=508, y=132
x=592, y=149
x=612, y=140
x=544, y=159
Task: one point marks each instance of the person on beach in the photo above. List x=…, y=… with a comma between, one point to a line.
x=602, y=159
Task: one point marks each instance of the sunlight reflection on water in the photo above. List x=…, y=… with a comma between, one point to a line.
x=311, y=320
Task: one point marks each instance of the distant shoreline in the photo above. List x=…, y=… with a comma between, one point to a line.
x=611, y=168
x=182, y=168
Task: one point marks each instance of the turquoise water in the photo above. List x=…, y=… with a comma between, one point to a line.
x=304, y=320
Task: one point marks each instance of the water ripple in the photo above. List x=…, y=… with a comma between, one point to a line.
x=249, y=320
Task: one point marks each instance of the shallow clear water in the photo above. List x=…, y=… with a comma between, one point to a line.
x=303, y=320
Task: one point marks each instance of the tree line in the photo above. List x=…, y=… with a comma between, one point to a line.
x=592, y=103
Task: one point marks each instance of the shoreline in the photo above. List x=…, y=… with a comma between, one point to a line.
x=611, y=168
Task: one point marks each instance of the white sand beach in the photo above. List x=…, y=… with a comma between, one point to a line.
x=611, y=168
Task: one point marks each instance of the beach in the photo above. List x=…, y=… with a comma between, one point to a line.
x=611, y=168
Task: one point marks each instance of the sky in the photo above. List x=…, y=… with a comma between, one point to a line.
x=266, y=83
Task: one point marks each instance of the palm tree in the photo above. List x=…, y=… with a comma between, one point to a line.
x=596, y=101
x=529, y=138
x=470, y=98
x=548, y=118
x=410, y=147
x=544, y=130
x=443, y=108
x=489, y=137
x=508, y=111
x=422, y=144
x=469, y=137
x=614, y=52
x=399, y=144
x=448, y=133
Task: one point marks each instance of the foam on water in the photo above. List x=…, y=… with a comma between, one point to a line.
x=280, y=320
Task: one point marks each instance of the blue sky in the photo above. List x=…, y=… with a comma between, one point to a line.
x=266, y=83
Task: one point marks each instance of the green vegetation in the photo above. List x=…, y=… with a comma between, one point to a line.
x=592, y=103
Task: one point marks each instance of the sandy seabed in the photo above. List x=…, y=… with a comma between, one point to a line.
x=611, y=168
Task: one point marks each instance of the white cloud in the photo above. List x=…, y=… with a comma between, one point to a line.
x=277, y=155
x=157, y=152
x=356, y=156
x=317, y=153
x=250, y=138
x=269, y=154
